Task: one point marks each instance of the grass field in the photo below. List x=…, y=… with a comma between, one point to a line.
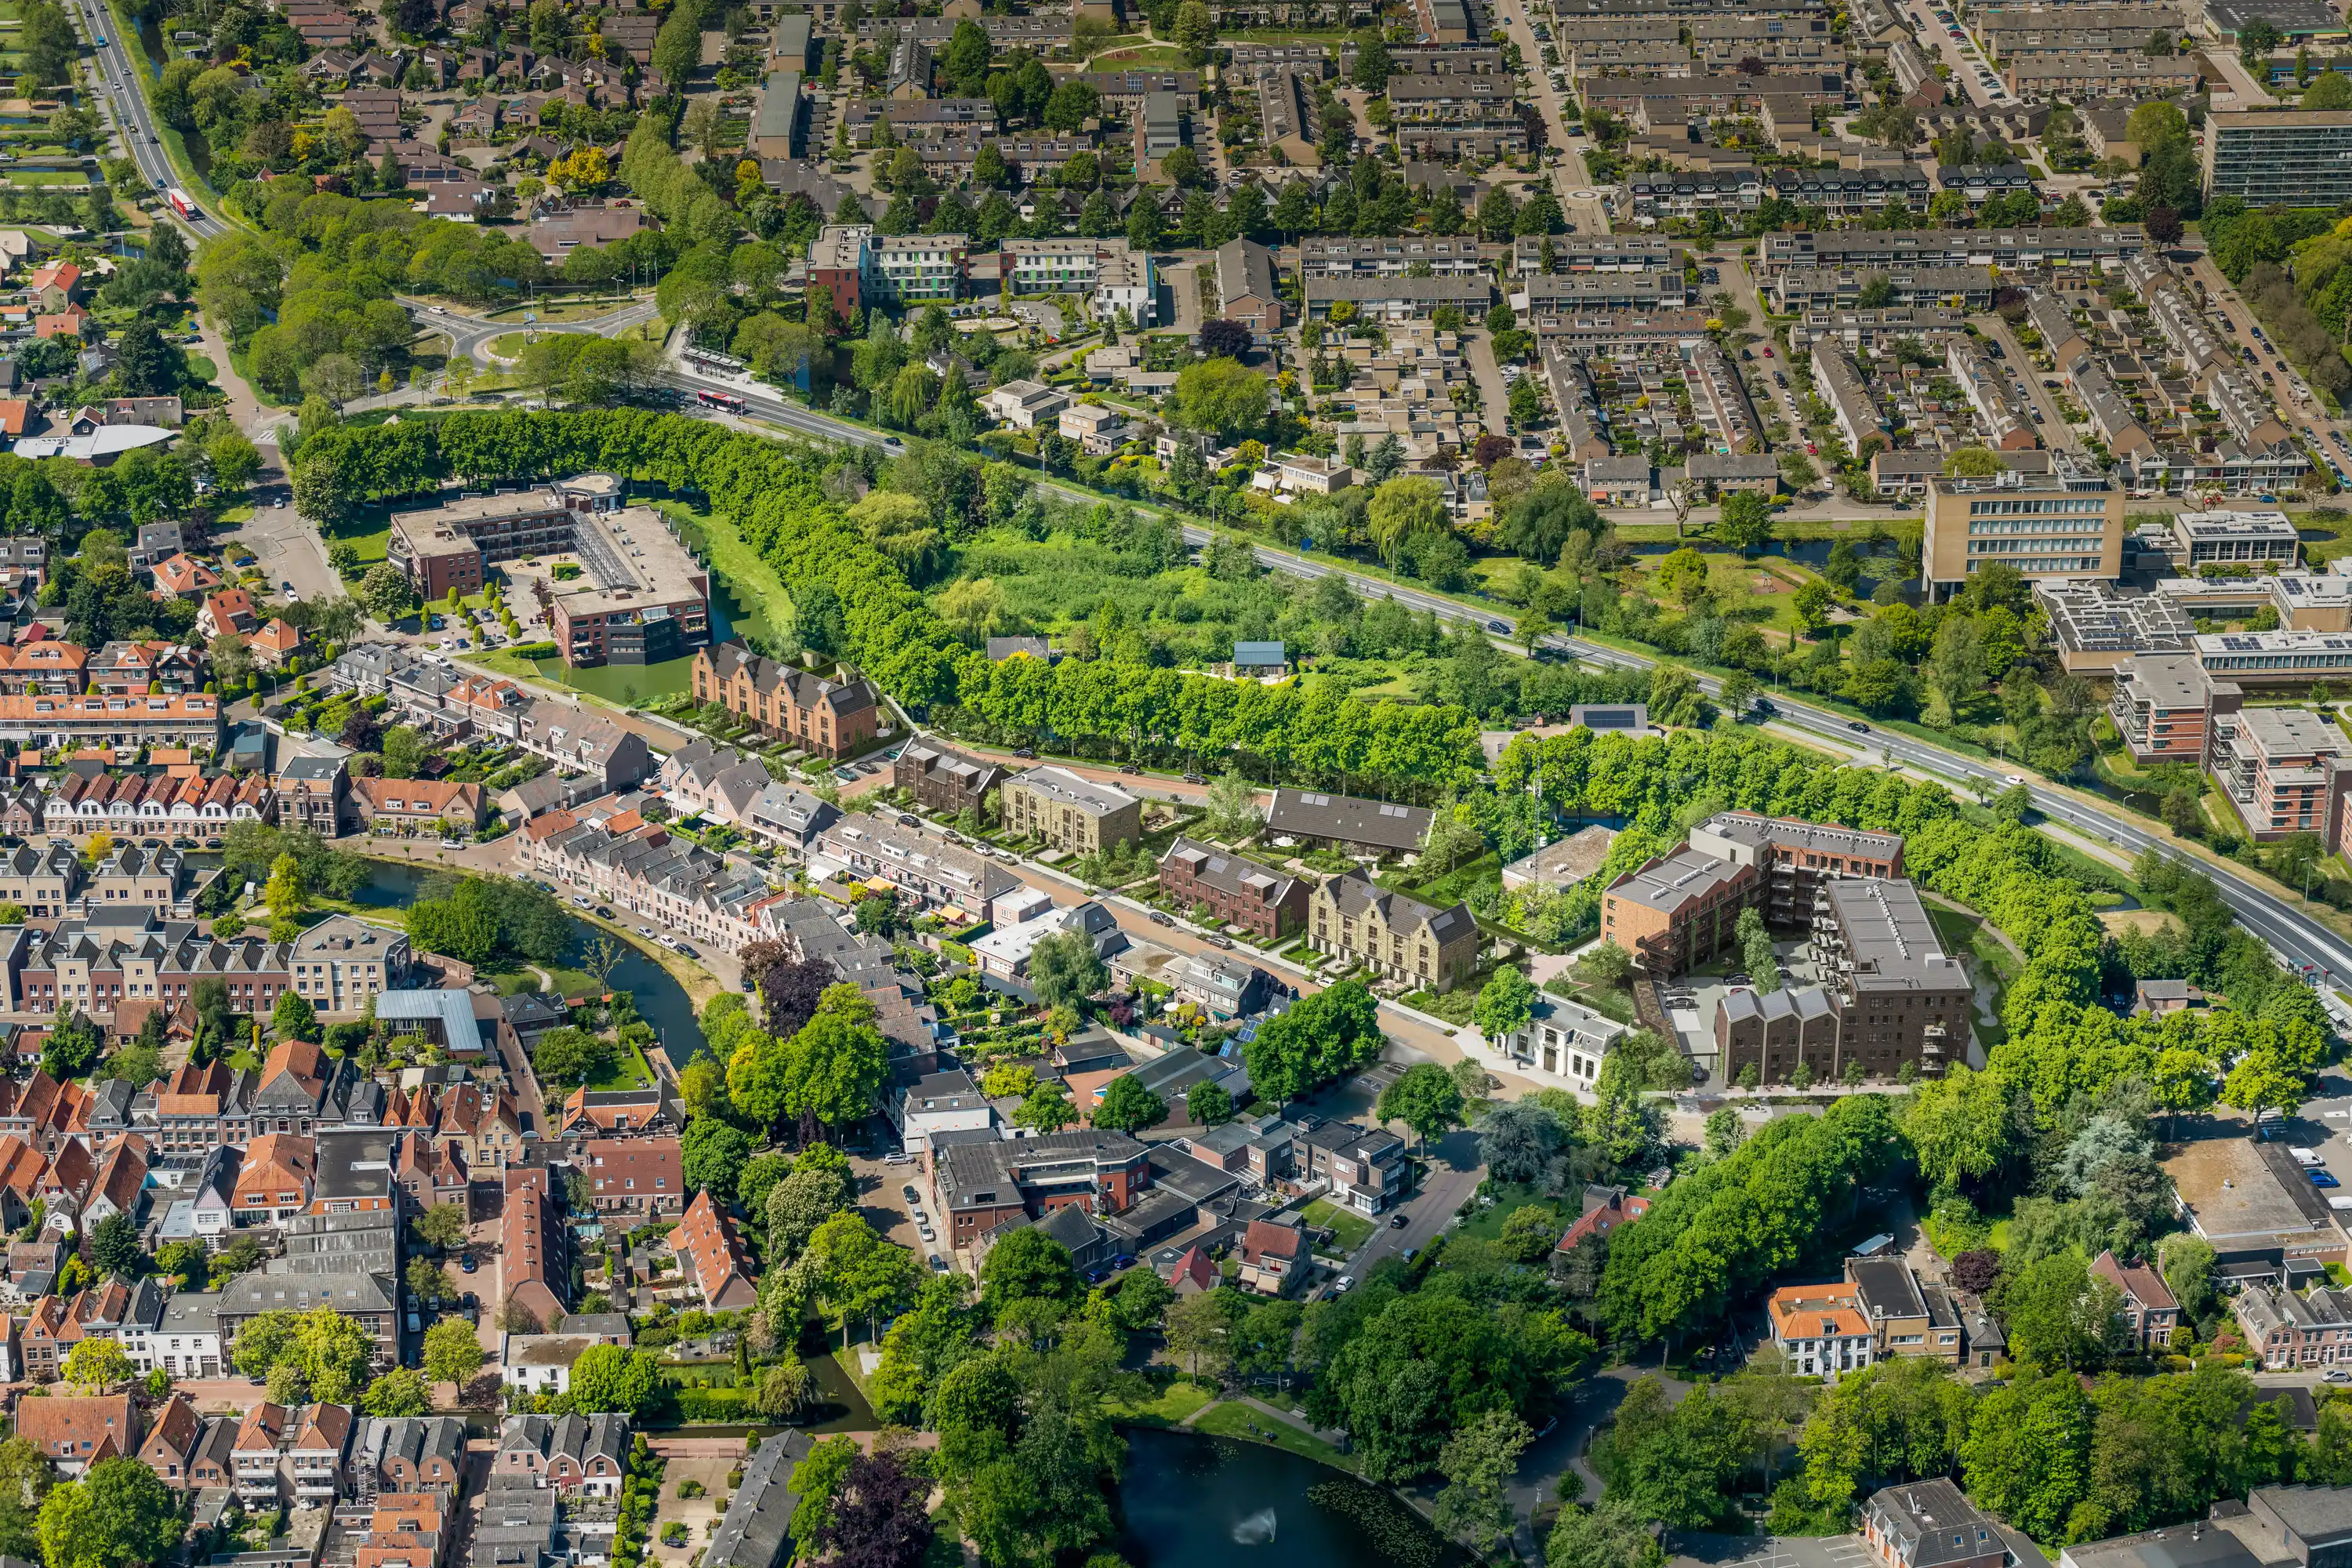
x=561, y=309
x=509, y=345
x=1235, y=1419
x=35, y=178
x=371, y=537
x=629, y=1070
x=1348, y=1231
x=1486, y=1224
x=763, y=607
x=627, y=684
x=1168, y=1407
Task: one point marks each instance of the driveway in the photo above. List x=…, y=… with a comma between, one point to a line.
x=287, y=547
x=2306, y=417
x=1961, y=53
x=2054, y=428
x=1493, y=393
x=1586, y=214
x=1773, y=1552
x=699, y=1514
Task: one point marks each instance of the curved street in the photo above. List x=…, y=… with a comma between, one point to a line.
x=472, y=335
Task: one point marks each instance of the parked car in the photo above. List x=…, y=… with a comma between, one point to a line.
x=2324, y=1179
x=466, y=1264
x=1162, y=918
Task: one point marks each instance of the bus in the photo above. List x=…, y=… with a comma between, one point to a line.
x=703, y=359
x=726, y=400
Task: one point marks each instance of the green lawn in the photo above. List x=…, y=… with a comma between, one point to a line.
x=560, y=310
x=371, y=538
x=630, y=1071
x=35, y=177
x=1486, y=1224
x=1168, y=1407
x=763, y=605
x=626, y=685
x=1348, y=1231
x=1235, y=1419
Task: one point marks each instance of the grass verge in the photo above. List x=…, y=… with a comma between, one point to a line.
x=1168, y=1407
x=1250, y=1425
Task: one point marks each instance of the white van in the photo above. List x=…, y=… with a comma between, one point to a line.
x=2307, y=1158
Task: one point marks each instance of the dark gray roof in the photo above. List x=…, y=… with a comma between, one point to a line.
x=1932, y=1524
x=1885, y=1285
x=756, y=1532
x=2321, y=1516
x=1313, y=814
x=1353, y=894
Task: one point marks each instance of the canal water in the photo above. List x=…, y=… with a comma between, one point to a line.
x=661, y=1000
x=1190, y=1499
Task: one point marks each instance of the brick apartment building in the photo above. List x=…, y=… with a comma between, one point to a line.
x=831, y=718
x=2165, y=707
x=1797, y=857
x=1678, y=911
x=978, y=1181
x=942, y=779
x=1237, y=891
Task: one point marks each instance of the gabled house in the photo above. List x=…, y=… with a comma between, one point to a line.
x=1274, y=1257
x=713, y=1257
x=2147, y=1302
x=75, y=1434
x=171, y=1442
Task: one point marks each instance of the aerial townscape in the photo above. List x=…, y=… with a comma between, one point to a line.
x=1169, y=783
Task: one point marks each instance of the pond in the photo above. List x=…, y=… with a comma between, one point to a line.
x=661, y=1000
x=632, y=684
x=1188, y=1498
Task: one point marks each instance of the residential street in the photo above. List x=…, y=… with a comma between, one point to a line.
x=1586, y=214
x=1493, y=393
x=2055, y=428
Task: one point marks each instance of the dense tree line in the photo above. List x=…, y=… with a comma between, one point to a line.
x=1715, y=1238
x=479, y=918
x=858, y=604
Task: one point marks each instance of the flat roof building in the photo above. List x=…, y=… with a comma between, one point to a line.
x=2164, y=706
x=2097, y=627
x=2288, y=770
x=1901, y=999
x=2068, y=525
x=2274, y=658
x=2292, y=157
x=642, y=598
x=2199, y=537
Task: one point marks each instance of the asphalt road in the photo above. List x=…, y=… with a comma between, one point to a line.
x=472, y=335
x=2301, y=942
x=2054, y=428
x=1961, y=53
x=116, y=64
x=1587, y=215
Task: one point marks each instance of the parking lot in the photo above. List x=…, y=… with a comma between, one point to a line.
x=882, y=1197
